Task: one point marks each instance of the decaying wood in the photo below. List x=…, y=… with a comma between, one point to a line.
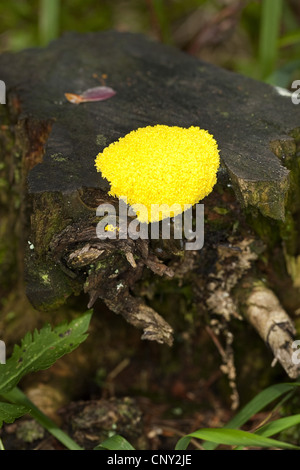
x=264, y=312
x=91, y=422
x=111, y=281
x=88, y=422
x=244, y=115
x=252, y=215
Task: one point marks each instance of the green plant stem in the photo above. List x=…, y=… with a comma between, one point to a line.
x=18, y=397
x=161, y=18
x=269, y=33
x=1, y=445
x=49, y=12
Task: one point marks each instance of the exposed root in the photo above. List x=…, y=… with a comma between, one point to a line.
x=234, y=261
x=217, y=328
x=111, y=269
x=273, y=324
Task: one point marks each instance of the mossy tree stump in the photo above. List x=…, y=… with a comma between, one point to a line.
x=249, y=265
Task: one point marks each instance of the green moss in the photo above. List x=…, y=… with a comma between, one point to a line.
x=29, y=431
x=101, y=265
x=286, y=230
x=220, y=210
x=3, y=184
x=101, y=140
x=58, y=157
x=289, y=234
x=289, y=228
x=269, y=198
x=45, y=278
x=266, y=228
x=48, y=219
x=295, y=133
x=49, y=286
x=224, y=114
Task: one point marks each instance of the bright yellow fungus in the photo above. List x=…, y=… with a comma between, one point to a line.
x=161, y=165
x=110, y=228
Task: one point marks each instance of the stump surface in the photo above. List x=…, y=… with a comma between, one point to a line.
x=154, y=84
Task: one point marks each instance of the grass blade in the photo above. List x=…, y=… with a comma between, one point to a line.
x=289, y=39
x=234, y=437
x=257, y=404
x=115, y=443
x=183, y=443
x=49, y=14
x=269, y=33
x=275, y=427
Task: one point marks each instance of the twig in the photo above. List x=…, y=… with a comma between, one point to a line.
x=216, y=342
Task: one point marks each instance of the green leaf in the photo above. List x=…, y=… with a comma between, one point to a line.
x=40, y=350
x=115, y=443
x=183, y=443
x=234, y=437
x=274, y=427
x=258, y=403
x=8, y=412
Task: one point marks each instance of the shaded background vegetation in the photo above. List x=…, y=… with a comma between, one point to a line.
x=258, y=38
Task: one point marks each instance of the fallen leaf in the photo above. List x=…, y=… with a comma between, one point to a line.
x=99, y=93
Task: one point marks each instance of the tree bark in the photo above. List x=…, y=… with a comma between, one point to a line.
x=49, y=146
